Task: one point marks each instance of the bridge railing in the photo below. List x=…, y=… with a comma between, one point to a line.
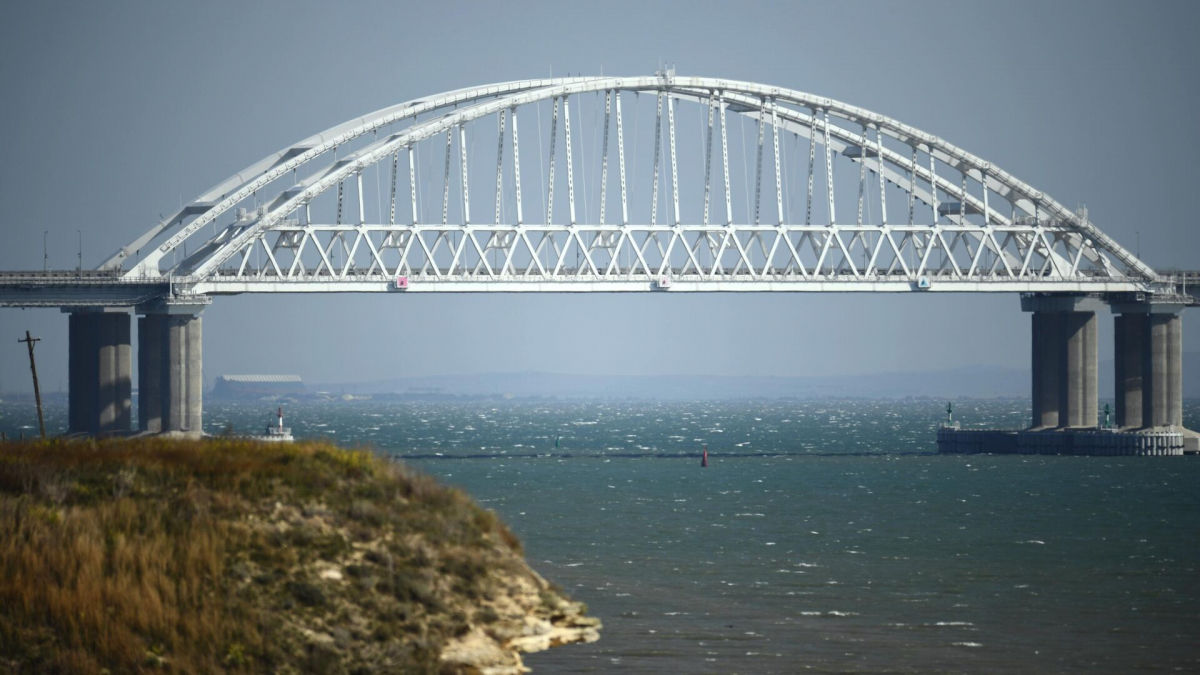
x=1183, y=282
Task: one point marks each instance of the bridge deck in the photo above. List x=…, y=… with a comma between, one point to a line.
x=71, y=288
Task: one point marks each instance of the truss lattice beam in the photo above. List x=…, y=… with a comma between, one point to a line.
x=1041, y=243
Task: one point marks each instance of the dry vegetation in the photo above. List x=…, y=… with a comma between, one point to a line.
x=201, y=556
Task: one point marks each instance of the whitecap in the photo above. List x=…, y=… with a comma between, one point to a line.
x=967, y=644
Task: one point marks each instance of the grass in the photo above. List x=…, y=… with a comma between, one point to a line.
x=197, y=556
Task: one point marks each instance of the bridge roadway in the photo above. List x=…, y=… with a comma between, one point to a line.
x=106, y=288
x=354, y=209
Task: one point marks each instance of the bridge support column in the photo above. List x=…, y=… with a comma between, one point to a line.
x=1078, y=394
x=98, y=366
x=1173, y=405
x=1149, y=365
x=1045, y=357
x=171, y=362
x=184, y=403
x=1129, y=337
x=1064, y=360
x=151, y=331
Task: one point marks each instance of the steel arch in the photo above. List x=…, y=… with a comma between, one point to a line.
x=1040, y=229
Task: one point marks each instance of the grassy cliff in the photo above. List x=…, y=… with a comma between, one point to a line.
x=195, y=556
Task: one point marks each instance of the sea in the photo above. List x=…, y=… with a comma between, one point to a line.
x=824, y=536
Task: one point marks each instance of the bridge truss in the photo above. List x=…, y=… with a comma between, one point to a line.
x=626, y=184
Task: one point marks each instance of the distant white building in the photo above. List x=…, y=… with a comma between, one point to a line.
x=236, y=386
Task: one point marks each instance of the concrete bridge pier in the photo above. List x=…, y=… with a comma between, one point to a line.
x=1064, y=360
x=151, y=329
x=1129, y=336
x=1045, y=358
x=1149, y=364
x=170, y=368
x=99, y=372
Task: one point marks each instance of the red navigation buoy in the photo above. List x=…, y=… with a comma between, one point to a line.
x=704, y=457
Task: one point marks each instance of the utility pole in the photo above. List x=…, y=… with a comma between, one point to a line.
x=37, y=393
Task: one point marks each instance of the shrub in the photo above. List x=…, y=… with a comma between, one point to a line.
x=305, y=593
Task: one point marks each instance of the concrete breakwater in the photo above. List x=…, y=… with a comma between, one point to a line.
x=952, y=440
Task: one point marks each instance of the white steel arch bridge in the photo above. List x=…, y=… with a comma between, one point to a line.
x=626, y=184
x=655, y=183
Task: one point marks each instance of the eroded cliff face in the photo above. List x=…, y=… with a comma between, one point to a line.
x=505, y=609
x=533, y=618
x=225, y=555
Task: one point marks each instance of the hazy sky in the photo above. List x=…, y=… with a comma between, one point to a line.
x=115, y=112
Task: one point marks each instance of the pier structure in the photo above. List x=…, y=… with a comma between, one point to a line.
x=1148, y=359
x=170, y=368
x=1063, y=360
x=99, y=373
x=861, y=203
x=1148, y=387
x=1148, y=364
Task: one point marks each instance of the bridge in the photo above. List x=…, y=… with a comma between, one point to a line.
x=660, y=183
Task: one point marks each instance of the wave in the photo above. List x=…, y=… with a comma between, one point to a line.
x=646, y=455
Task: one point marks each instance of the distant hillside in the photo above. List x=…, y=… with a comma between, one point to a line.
x=966, y=381
x=1191, y=376
x=985, y=381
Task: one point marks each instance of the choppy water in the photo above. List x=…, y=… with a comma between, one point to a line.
x=824, y=536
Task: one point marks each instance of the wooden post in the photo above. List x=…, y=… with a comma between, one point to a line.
x=37, y=393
